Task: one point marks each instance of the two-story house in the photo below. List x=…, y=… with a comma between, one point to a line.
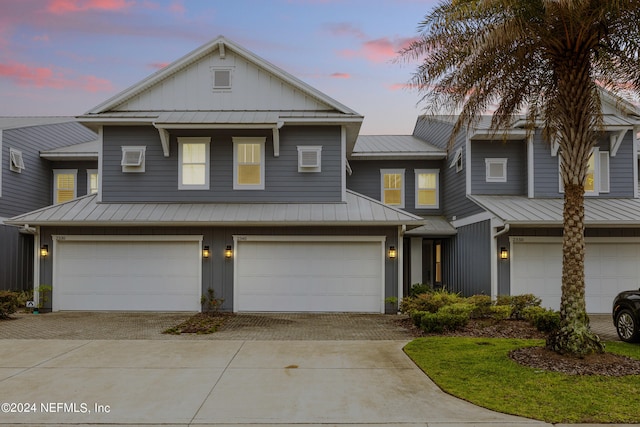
x=504, y=197
x=222, y=171
x=43, y=160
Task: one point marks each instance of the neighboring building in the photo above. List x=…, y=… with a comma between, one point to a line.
x=32, y=173
x=223, y=172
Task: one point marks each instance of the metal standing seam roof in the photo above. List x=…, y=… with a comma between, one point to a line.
x=399, y=145
x=84, y=211
x=518, y=210
x=84, y=150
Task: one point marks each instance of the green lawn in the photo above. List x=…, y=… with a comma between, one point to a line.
x=480, y=371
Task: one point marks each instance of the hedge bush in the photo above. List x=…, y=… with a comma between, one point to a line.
x=543, y=319
x=518, y=303
x=8, y=303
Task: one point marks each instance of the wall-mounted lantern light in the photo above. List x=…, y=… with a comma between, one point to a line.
x=393, y=253
x=205, y=252
x=504, y=253
x=228, y=252
x=44, y=251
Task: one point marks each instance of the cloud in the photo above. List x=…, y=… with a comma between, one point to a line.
x=177, y=8
x=378, y=50
x=60, y=7
x=41, y=77
x=158, y=65
x=341, y=75
x=400, y=86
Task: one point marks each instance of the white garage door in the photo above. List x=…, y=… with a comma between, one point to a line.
x=610, y=267
x=299, y=276
x=132, y=275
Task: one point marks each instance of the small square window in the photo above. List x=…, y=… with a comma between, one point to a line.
x=133, y=158
x=496, y=170
x=221, y=78
x=309, y=158
x=456, y=161
x=16, y=162
x=392, y=187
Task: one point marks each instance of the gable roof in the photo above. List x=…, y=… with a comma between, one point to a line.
x=82, y=151
x=519, y=210
x=393, y=147
x=87, y=211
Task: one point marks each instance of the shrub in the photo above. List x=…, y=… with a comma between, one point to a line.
x=419, y=288
x=500, y=312
x=543, y=319
x=518, y=303
x=8, y=303
x=481, y=306
x=431, y=302
x=445, y=319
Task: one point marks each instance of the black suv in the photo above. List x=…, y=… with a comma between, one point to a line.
x=626, y=315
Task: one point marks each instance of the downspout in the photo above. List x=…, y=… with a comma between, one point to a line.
x=400, y=260
x=495, y=260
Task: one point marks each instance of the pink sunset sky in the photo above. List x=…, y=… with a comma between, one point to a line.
x=63, y=57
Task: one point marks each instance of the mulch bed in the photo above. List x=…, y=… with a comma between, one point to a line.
x=606, y=364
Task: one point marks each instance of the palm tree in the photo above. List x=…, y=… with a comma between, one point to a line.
x=548, y=59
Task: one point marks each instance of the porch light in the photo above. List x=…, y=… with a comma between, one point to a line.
x=44, y=251
x=205, y=252
x=392, y=252
x=504, y=253
x=228, y=252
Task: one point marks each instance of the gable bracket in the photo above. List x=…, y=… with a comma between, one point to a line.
x=221, y=49
x=164, y=139
x=555, y=146
x=616, y=140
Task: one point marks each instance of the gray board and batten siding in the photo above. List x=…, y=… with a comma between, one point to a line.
x=217, y=272
x=16, y=255
x=32, y=189
x=515, y=151
x=366, y=179
x=547, y=172
x=283, y=182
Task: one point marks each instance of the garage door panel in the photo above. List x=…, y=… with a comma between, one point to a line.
x=309, y=276
x=136, y=275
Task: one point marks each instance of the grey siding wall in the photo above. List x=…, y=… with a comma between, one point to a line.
x=516, y=154
x=16, y=259
x=217, y=272
x=32, y=189
x=467, y=266
x=366, y=179
x=547, y=174
x=454, y=199
x=283, y=183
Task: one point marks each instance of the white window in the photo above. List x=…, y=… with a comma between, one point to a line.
x=92, y=181
x=193, y=163
x=248, y=163
x=427, y=196
x=309, y=158
x=221, y=78
x=392, y=186
x=597, y=179
x=456, y=161
x=133, y=158
x=64, y=185
x=16, y=162
x=496, y=170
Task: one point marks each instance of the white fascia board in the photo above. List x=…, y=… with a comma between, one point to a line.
x=473, y=219
x=399, y=156
x=510, y=134
x=530, y=167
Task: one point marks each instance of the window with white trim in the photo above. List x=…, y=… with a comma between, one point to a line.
x=221, y=78
x=597, y=179
x=392, y=187
x=309, y=158
x=92, y=181
x=133, y=158
x=16, y=162
x=64, y=185
x=248, y=163
x=427, y=190
x=496, y=170
x=193, y=163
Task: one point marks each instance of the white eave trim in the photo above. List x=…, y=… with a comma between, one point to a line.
x=398, y=156
x=486, y=134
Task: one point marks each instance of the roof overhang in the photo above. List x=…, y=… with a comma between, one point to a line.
x=488, y=135
x=398, y=156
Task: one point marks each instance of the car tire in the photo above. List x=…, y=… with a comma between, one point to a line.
x=627, y=326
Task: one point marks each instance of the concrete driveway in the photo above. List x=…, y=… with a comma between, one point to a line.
x=225, y=383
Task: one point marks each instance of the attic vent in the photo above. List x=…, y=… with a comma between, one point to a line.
x=16, y=163
x=221, y=79
x=309, y=158
x=457, y=160
x=133, y=159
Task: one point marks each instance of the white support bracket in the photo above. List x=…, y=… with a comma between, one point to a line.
x=164, y=139
x=276, y=138
x=616, y=140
